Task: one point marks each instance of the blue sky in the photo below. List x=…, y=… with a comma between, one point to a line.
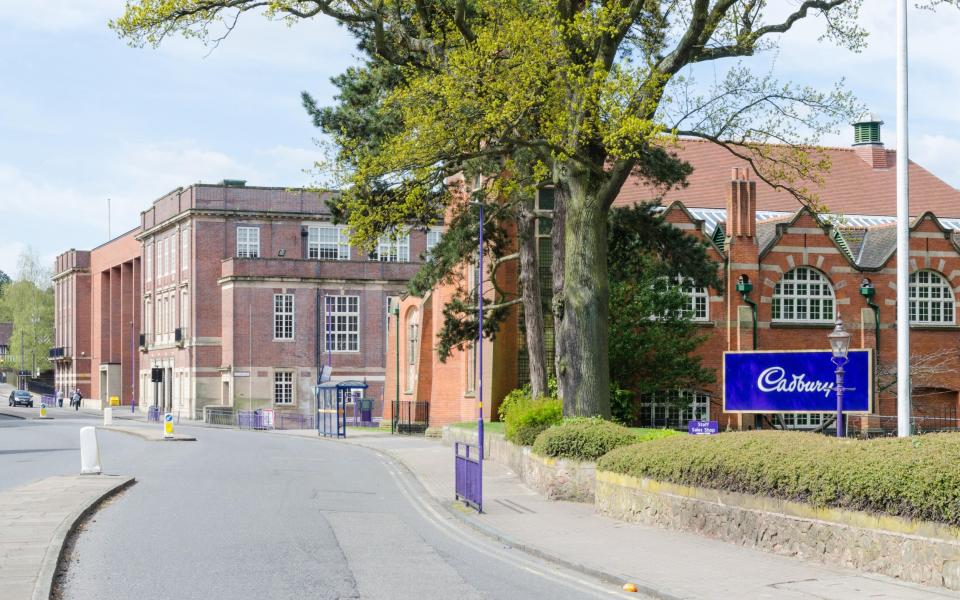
x=84, y=118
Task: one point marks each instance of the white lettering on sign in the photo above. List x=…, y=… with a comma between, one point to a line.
x=775, y=379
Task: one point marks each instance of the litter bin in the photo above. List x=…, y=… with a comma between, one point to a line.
x=366, y=410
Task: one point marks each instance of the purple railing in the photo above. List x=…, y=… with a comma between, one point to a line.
x=294, y=421
x=469, y=475
x=254, y=420
x=153, y=414
x=50, y=401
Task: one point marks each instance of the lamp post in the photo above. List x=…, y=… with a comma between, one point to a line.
x=839, y=345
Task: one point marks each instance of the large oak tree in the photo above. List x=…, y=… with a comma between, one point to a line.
x=584, y=95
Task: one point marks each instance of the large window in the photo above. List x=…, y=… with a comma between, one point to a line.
x=392, y=250
x=148, y=261
x=433, y=238
x=328, y=242
x=184, y=249
x=248, y=242
x=931, y=299
x=803, y=295
x=184, y=311
x=674, y=408
x=343, y=323
x=283, y=387
x=283, y=316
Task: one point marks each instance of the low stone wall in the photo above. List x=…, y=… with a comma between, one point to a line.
x=916, y=551
x=556, y=479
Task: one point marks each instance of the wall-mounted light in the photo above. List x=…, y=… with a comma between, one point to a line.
x=282, y=252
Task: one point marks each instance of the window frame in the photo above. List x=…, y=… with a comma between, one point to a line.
x=341, y=335
x=793, y=299
x=390, y=249
x=284, y=317
x=938, y=295
x=246, y=243
x=185, y=249
x=674, y=412
x=314, y=242
x=148, y=261
x=433, y=232
x=288, y=397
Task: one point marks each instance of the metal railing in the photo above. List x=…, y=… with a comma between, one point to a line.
x=294, y=421
x=468, y=472
x=224, y=416
x=413, y=417
x=255, y=419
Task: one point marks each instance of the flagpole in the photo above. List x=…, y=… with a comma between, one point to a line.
x=903, y=228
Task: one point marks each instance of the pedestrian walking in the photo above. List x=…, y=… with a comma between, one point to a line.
x=60, y=398
x=76, y=398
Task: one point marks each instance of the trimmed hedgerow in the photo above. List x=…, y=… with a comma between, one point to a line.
x=909, y=477
x=588, y=439
x=525, y=417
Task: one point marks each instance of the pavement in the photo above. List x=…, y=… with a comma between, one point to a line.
x=154, y=433
x=663, y=563
x=35, y=521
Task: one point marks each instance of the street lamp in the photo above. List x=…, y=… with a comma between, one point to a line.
x=839, y=345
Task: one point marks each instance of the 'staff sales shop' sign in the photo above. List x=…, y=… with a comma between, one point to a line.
x=795, y=381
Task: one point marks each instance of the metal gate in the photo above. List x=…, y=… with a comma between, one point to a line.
x=413, y=417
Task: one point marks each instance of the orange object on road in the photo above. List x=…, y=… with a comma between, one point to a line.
x=629, y=587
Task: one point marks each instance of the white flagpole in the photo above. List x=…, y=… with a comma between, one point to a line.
x=903, y=229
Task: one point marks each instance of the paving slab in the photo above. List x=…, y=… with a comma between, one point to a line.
x=32, y=539
x=663, y=563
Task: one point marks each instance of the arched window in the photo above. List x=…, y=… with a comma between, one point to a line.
x=931, y=299
x=413, y=345
x=803, y=295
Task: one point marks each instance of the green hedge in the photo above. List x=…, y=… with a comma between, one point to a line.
x=914, y=477
x=589, y=439
x=525, y=417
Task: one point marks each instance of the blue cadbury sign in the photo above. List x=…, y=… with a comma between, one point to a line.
x=795, y=381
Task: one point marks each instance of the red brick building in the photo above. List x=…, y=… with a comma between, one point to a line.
x=246, y=290
x=803, y=268
x=96, y=320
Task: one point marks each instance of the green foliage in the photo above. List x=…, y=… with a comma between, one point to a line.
x=525, y=417
x=908, y=477
x=31, y=310
x=584, y=439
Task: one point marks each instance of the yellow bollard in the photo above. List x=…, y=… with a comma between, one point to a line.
x=43, y=409
x=114, y=401
x=168, y=425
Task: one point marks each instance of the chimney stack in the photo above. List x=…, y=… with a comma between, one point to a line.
x=742, y=205
x=866, y=141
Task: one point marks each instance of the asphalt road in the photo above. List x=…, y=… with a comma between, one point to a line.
x=241, y=514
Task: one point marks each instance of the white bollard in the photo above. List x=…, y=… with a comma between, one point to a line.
x=89, y=451
x=108, y=416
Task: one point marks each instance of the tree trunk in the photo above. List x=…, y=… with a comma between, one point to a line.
x=556, y=266
x=532, y=300
x=584, y=371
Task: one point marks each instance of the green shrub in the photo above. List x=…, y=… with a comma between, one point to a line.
x=908, y=477
x=525, y=417
x=582, y=439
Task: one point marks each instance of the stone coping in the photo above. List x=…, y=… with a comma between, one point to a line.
x=802, y=510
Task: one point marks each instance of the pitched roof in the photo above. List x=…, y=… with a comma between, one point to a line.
x=851, y=185
x=6, y=332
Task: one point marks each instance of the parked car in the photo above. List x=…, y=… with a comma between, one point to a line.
x=21, y=398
